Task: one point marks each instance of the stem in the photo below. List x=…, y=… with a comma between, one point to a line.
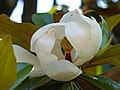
x=68, y=57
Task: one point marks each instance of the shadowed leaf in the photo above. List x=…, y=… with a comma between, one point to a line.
x=70, y=86
x=102, y=82
x=41, y=19
x=113, y=73
x=22, y=74
x=20, y=32
x=29, y=84
x=110, y=56
x=113, y=21
x=57, y=16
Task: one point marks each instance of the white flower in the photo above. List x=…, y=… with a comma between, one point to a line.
x=83, y=33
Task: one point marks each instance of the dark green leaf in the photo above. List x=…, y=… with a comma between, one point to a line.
x=20, y=32
x=110, y=56
x=86, y=85
x=8, y=65
x=71, y=85
x=22, y=74
x=74, y=86
x=29, y=84
x=113, y=21
x=105, y=33
x=102, y=82
x=66, y=86
x=41, y=19
x=41, y=82
x=65, y=8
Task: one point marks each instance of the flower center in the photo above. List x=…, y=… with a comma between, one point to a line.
x=67, y=47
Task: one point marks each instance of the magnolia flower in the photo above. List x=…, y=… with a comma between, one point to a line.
x=79, y=36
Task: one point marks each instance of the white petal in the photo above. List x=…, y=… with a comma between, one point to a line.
x=36, y=35
x=46, y=41
x=75, y=16
x=94, y=41
x=60, y=30
x=78, y=36
x=58, y=70
x=59, y=27
x=57, y=50
x=23, y=55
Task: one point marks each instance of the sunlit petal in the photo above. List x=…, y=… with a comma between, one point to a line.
x=23, y=55
x=75, y=16
x=94, y=41
x=59, y=27
x=46, y=41
x=78, y=36
x=36, y=35
x=62, y=70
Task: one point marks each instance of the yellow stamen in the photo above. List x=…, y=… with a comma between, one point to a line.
x=66, y=45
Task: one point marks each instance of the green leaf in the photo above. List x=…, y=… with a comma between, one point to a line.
x=41, y=19
x=41, y=82
x=113, y=21
x=105, y=33
x=113, y=73
x=29, y=84
x=66, y=86
x=22, y=74
x=110, y=56
x=102, y=82
x=106, y=46
x=20, y=32
x=71, y=85
x=85, y=84
x=8, y=65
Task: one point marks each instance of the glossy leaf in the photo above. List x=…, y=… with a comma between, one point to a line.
x=29, y=84
x=8, y=67
x=113, y=73
x=105, y=33
x=41, y=19
x=113, y=21
x=20, y=32
x=102, y=82
x=22, y=74
x=110, y=56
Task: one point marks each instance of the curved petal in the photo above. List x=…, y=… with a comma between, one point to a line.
x=62, y=70
x=57, y=50
x=74, y=16
x=59, y=27
x=78, y=36
x=38, y=34
x=46, y=41
x=23, y=55
x=94, y=41
x=60, y=30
